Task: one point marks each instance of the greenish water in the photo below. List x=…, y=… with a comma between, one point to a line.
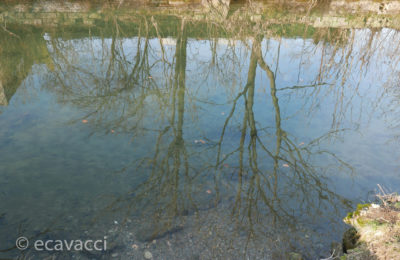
x=251, y=145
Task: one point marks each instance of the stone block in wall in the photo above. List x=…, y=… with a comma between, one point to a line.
x=17, y=15
x=30, y=15
x=95, y=16
x=199, y=16
x=3, y=98
x=88, y=21
x=377, y=22
x=328, y=21
x=74, y=15
x=36, y=21
x=48, y=15
x=49, y=22
x=256, y=17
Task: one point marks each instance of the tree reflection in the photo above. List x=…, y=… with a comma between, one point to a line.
x=270, y=183
x=266, y=190
x=17, y=56
x=276, y=181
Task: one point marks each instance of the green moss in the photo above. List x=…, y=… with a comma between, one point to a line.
x=363, y=206
x=362, y=222
x=349, y=215
x=356, y=213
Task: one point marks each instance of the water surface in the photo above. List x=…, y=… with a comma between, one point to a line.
x=214, y=142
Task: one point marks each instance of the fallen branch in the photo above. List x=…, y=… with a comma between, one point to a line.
x=10, y=33
x=305, y=86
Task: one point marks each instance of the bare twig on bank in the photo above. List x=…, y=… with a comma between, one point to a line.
x=10, y=33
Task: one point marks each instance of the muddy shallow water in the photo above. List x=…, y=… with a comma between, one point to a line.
x=192, y=138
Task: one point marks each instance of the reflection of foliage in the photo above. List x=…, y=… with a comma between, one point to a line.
x=140, y=90
x=17, y=56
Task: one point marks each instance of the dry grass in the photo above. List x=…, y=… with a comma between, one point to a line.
x=379, y=226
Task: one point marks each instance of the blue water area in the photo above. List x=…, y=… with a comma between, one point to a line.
x=284, y=134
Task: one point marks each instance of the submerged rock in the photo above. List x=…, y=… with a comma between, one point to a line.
x=151, y=232
x=295, y=256
x=350, y=239
x=336, y=249
x=148, y=255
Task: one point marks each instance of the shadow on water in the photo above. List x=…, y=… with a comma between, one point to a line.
x=226, y=137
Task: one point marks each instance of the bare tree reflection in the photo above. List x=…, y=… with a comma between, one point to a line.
x=269, y=182
x=264, y=190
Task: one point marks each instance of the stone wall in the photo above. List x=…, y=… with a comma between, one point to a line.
x=364, y=6
x=3, y=98
x=341, y=14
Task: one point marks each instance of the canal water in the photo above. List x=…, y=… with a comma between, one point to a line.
x=193, y=139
